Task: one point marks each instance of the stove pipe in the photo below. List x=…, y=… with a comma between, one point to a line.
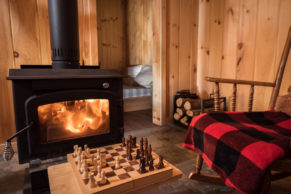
x=63, y=18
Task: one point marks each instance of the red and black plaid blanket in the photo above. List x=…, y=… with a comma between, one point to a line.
x=240, y=146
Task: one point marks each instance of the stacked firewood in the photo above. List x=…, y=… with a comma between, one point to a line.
x=187, y=108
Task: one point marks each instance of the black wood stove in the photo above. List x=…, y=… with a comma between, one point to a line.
x=57, y=106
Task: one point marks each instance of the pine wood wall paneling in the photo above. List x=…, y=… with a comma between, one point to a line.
x=159, y=8
x=88, y=35
x=7, y=127
x=215, y=51
x=44, y=32
x=25, y=31
x=266, y=39
x=111, y=44
x=173, y=28
x=203, y=48
x=246, y=45
x=194, y=45
x=284, y=23
x=135, y=31
x=185, y=38
x=147, y=33
x=230, y=42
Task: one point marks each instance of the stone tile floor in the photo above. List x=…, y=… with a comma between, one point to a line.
x=166, y=141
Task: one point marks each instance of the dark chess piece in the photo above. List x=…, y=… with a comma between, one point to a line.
x=141, y=144
x=137, y=154
x=130, y=138
x=151, y=165
x=146, y=143
x=129, y=155
x=147, y=159
x=133, y=142
x=142, y=166
x=150, y=149
x=160, y=164
x=142, y=153
x=123, y=142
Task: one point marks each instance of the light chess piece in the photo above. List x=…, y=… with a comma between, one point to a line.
x=103, y=180
x=75, y=153
x=117, y=164
x=92, y=183
x=103, y=160
x=85, y=171
x=99, y=169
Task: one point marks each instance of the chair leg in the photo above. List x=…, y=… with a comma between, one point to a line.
x=196, y=175
x=199, y=162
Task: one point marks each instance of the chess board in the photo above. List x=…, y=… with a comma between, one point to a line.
x=122, y=180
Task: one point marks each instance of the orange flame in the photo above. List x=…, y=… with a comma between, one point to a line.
x=76, y=116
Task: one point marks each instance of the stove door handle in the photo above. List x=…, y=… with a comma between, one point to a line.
x=8, y=149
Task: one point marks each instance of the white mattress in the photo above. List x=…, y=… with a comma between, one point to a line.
x=136, y=91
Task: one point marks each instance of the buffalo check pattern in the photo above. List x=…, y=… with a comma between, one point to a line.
x=240, y=146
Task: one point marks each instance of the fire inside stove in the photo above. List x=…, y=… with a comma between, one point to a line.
x=73, y=119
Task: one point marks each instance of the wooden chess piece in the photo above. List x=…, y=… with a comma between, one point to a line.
x=117, y=164
x=134, y=142
x=145, y=143
x=130, y=138
x=123, y=142
x=141, y=144
x=151, y=165
x=99, y=169
x=129, y=155
x=150, y=149
x=85, y=171
x=148, y=158
x=137, y=154
x=103, y=180
x=92, y=183
x=103, y=160
x=85, y=147
x=75, y=153
x=160, y=164
x=142, y=165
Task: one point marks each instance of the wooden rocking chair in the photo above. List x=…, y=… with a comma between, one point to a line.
x=282, y=168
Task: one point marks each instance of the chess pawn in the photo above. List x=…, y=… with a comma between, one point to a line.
x=151, y=165
x=137, y=154
x=79, y=162
x=103, y=160
x=123, y=142
x=94, y=163
x=147, y=158
x=117, y=164
x=85, y=171
x=130, y=138
x=80, y=150
x=160, y=164
x=103, y=180
x=88, y=151
x=75, y=153
x=92, y=183
x=129, y=155
x=142, y=165
x=133, y=142
x=99, y=169
x=82, y=166
x=85, y=147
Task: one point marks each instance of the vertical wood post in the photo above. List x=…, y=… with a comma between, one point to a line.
x=199, y=162
x=233, y=99
x=250, y=104
x=216, y=97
